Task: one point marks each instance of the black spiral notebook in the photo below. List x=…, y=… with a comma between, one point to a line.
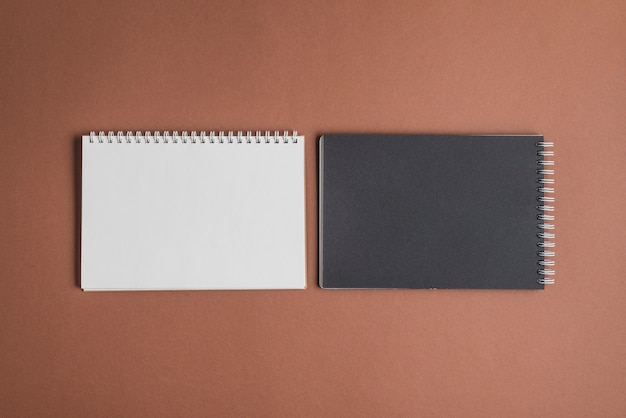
x=436, y=211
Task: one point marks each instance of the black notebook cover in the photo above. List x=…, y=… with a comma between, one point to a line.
x=432, y=211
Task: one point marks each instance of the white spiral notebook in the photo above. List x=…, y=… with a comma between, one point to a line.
x=190, y=211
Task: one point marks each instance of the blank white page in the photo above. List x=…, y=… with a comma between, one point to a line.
x=192, y=215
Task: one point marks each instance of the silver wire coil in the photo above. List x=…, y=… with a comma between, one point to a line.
x=221, y=137
x=546, y=186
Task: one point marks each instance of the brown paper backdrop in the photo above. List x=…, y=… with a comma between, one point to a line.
x=556, y=68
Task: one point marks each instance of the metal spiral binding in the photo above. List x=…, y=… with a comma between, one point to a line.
x=185, y=137
x=546, y=198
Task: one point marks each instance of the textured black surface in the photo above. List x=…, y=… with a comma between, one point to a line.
x=424, y=211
